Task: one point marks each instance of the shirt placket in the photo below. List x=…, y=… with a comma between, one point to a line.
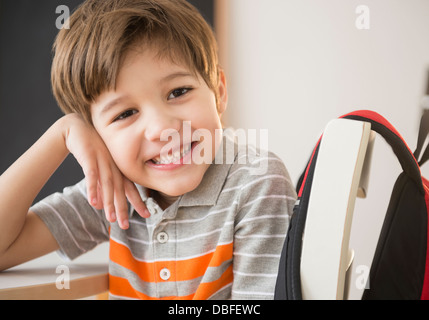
x=164, y=253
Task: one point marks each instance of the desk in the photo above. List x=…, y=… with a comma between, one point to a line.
x=52, y=278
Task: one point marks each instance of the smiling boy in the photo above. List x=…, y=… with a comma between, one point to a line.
x=154, y=95
x=129, y=74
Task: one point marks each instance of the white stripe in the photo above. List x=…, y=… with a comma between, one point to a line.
x=122, y=297
x=268, y=197
x=221, y=289
x=220, y=210
x=148, y=243
x=260, y=236
x=201, y=234
x=253, y=293
x=201, y=219
x=253, y=162
x=266, y=275
x=144, y=223
x=250, y=156
x=176, y=241
x=80, y=219
x=273, y=176
x=79, y=187
x=254, y=255
x=65, y=225
x=184, y=239
x=264, y=217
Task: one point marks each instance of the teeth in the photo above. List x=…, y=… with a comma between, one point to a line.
x=168, y=159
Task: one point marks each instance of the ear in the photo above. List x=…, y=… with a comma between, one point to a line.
x=222, y=93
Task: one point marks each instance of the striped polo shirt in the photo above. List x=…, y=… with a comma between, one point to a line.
x=220, y=241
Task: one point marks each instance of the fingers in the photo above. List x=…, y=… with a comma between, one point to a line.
x=113, y=191
x=113, y=194
x=135, y=199
x=121, y=206
x=107, y=188
x=99, y=205
x=92, y=186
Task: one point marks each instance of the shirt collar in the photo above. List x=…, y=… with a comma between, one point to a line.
x=208, y=191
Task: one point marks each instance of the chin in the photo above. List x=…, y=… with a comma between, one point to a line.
x=178, y=188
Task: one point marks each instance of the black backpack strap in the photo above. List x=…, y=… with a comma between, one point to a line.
x=405, y=156
x=288, y=285
x=423, y=133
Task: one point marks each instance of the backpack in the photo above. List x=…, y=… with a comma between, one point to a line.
x=400, y=267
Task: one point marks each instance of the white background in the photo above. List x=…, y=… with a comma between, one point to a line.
x=293, y=65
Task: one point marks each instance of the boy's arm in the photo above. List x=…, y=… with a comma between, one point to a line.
x=34, y=240
x=19, y=186
x=23, y=235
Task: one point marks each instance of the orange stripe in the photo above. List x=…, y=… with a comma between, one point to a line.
x=223, y=253
x=205, y=290
x=181, y=270
x=121, y=255
x=121, y=287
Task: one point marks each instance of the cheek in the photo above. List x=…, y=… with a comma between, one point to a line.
x=207, y=118
x=122, y=151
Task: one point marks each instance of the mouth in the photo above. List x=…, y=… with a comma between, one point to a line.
x=173, y=157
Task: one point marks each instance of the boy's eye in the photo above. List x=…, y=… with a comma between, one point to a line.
x=125, y=115
x=176, y=93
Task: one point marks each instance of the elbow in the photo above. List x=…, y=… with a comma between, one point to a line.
x=5, y=261
x=2, y=264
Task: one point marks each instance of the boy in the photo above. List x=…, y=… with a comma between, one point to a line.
x=130, y=75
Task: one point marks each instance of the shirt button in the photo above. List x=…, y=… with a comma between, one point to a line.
x=162, y=237
x=165, y=274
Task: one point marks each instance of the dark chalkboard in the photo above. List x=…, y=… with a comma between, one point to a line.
x=27, y=107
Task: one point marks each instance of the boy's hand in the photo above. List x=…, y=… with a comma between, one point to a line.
x=106, y=186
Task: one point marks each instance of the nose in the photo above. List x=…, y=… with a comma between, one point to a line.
x=159, y=123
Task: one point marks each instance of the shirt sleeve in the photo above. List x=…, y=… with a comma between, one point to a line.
x=265, y=207
x=74, y=223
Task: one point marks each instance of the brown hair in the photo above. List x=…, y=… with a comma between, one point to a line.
x=89, y=54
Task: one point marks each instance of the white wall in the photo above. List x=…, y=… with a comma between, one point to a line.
x=293, y=65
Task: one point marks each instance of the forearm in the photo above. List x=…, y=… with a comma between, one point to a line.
x=20, y=184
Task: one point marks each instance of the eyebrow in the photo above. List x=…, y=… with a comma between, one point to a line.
x=176, y=75
x=120, y=99
x=112, y=104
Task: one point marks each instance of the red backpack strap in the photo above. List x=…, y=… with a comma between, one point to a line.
x=383, y=127
x=307, y=169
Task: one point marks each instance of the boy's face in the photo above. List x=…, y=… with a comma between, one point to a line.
x=155, y=99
